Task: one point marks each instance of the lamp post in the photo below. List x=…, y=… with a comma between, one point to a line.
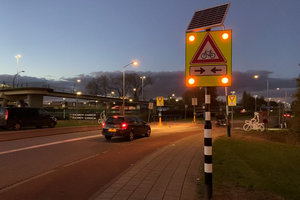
x=143, y=77
x=255, y=96
x=16, y=75
x=232, y=93
x=135, y=63
x=77, y=94
x=268, y=102
x=77, y=81
x=18, y=56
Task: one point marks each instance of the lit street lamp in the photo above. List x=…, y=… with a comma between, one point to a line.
x=143, y=77
x=17, y=74
x=18, y=56
x=255, y=96
x=77, y=94
x=134, y=63
x=77, y=81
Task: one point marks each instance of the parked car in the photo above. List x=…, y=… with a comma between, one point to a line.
x=128, y=126
x=15, y=118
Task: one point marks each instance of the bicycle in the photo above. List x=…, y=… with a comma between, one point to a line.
x=102, y=117
x=208, y=53
x=254, y=124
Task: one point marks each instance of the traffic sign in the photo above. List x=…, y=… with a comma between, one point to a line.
x=208, y=58
x=208, y=70
x=159, y=101
x=231, y=100
x=208, y=52
x=194, y=102
x=150, y=106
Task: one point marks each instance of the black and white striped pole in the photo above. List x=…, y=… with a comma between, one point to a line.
x=207, y=147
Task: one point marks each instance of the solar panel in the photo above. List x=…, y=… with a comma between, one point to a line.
x=208, y=18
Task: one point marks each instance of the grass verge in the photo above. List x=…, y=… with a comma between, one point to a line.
x=69, y=123
x=256, y=165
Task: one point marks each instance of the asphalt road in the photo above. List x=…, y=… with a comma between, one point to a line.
x=75, y=165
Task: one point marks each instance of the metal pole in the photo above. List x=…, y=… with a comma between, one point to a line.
x=123, y=105
x=142, y=89
x=207, y=147
x=268, y=104
x=227, y=113
x=194, y=114
x=255, y=104
x=279, y=115
x=231, y=118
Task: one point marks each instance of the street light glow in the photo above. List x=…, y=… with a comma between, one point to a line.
x=256, y=76
x=135, y=63
x=79, y=93
x=18, y=56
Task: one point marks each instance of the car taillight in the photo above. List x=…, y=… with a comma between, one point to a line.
x=103, y=124
x=6, y=114
x=124, y=125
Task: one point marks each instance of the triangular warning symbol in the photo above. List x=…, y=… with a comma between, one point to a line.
x=232, y=98
x=208, y=52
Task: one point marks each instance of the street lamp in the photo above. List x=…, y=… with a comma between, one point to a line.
x=143, y=77
x=16, y=75
x=255, y=96
x=112, y=93
x=77, y=94
x=134, y=63
x=18, y=56
x=77, y=81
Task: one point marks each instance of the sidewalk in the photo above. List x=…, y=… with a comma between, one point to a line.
x=169, y=173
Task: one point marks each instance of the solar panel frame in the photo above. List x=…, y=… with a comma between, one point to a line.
x=208, y=18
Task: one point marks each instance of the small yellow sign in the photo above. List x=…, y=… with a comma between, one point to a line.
x=159, y=101
x=231, y=100
x=208, y=58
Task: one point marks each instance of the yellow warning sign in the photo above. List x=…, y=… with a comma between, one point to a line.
x=231, y=100
x=159, y=101
x=208, y=58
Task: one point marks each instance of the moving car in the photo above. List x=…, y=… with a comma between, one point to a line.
x=127, y=126
x=16, y=118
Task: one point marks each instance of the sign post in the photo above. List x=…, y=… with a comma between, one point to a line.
x=231, y=102
x=159, y=103
x=208, y=64
x=150, y=107
x=194, y=103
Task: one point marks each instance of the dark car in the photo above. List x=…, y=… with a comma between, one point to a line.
x=16, y=118
x=128, y=126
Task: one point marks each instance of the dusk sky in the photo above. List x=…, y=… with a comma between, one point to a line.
x=65, y=38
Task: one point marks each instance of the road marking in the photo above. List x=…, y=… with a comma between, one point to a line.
x=80, y=160
x=25, y=181
x=49, y=144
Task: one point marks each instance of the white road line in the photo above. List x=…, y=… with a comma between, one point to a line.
x=24, y=181
x=80, y=160
x=49, y=144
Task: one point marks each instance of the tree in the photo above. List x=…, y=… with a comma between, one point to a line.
x=103, y=83
x=98, y=86
x=248, y=102
x=296, y=109
x=92, y=87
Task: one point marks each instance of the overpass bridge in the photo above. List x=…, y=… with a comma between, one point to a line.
x=35, y=96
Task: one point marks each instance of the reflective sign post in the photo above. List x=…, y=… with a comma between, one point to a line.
x=207, y=147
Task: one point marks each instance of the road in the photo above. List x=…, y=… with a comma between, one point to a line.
x=75, y=165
